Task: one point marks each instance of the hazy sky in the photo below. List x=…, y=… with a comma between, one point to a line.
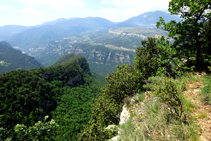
x=33, y=12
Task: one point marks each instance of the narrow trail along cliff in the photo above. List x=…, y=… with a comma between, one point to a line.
x=193, y=95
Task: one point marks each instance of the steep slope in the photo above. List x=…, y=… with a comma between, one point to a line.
x=66, y=58
x=104, y=50
x=64, y=92
x=12, y=59
x=101, y=59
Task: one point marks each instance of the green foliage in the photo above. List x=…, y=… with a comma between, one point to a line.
x=64, y=92
x=206, y=91
x=153, y=124
x=156, y=57
x=169, y=95
x=73, y=110
x=186, y=32
x=107, y=107
x=39, y=131
x=202, y=115
x=65, y=59
x=206, y=43
x=100, y=78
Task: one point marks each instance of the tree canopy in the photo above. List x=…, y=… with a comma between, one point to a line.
x=195, y=14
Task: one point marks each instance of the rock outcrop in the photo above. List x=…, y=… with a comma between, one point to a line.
x=125, y=114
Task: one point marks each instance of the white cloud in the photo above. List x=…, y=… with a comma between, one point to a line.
x=86, y=10
x=32, y=11
x=106, y=2
x=58, y=4
x=3, y=7
x=110, y=11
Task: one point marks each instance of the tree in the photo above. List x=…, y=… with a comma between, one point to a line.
x=205, y=37
x=186, y=32
x=40, y=131
x=156, y=57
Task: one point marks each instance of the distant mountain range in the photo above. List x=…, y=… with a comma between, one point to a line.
x=103, y=50
x=36, y=40
x=148, y=20
x=12, y=59
x=8, y=31
x=37, y=36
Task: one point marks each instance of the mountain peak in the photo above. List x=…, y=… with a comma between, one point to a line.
x=148, y=19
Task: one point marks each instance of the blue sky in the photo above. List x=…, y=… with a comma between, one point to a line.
x=34, y=12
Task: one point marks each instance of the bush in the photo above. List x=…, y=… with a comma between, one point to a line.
x=108, y=106
x=40, y=131
x=170, y=96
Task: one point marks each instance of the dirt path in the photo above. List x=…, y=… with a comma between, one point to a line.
x=202, y=109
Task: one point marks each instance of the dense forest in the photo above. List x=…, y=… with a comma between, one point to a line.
x=156, y=57
x=80, y=107
x=63, y=92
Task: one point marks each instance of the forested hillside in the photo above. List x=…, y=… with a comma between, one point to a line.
x=63, y=92
x=104, y=50
x=156, y=91
x=155, y=83
x=12, y=59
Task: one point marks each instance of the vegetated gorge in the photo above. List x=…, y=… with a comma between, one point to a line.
x=148, y=93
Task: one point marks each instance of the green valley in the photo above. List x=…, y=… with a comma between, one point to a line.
x=104, y=50
x=98, y=80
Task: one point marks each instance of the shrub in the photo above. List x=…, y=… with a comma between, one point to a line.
x=169, y=95
x=108, y=106
x=40, y=131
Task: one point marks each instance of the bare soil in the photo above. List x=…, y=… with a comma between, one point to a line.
x=193, y=95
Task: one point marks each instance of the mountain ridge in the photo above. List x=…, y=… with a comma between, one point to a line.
x=12, y=59
x=41, y=35
x=58, y=91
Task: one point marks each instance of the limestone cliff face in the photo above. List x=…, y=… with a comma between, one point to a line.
x=98, y=56
x=93, y=54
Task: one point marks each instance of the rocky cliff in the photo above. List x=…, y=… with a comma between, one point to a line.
x=101, y=59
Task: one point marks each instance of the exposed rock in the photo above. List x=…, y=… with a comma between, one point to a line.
x=125, y=115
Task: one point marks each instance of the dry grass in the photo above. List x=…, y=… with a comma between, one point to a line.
x=149, y=117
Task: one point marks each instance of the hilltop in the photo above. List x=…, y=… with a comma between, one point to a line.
x=12, y=59
x=64, y=92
